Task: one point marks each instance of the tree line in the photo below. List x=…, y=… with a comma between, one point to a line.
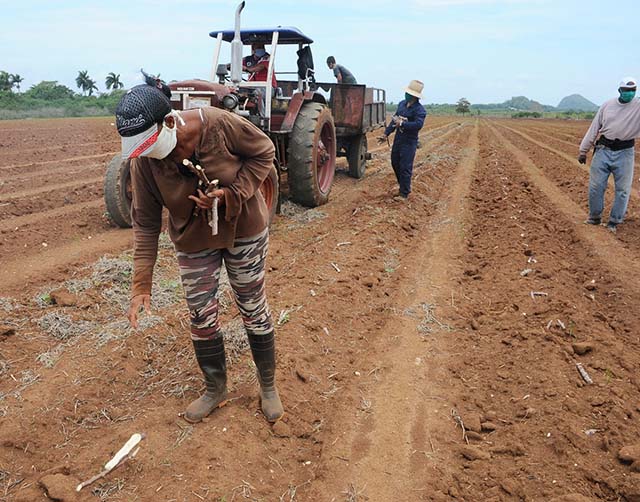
x=87, y=85
x=10, y=80
x=463, y=106
x=50, y=98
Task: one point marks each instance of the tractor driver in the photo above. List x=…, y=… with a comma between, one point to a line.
x=257, y=65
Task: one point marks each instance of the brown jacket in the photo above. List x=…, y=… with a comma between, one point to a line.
x=231, y=150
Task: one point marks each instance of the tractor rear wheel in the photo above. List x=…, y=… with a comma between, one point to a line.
x=270, y=190
x=117, y=191
x=312, y=155
x=357, y=156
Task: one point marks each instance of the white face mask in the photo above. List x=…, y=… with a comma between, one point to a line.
x=167, y=139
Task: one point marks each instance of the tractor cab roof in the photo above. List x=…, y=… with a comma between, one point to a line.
x=286, y=35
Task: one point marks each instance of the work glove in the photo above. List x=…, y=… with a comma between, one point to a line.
x=582, y=158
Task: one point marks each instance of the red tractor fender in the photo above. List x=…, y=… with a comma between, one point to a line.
x=297, y=100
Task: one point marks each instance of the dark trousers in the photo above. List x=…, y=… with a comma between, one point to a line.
x=402, y=155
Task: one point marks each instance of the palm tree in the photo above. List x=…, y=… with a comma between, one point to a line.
x=113, y=81
x=16, y=80
x=91, y=86
x=6, y=82
x=84, y=82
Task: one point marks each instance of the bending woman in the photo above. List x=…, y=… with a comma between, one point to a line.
x=240, y=156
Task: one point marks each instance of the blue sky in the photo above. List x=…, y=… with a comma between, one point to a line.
x=485, y=50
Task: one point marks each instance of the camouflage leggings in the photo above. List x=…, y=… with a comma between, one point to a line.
x=245, y=264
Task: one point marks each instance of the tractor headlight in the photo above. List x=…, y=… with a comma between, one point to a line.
x=230, y=101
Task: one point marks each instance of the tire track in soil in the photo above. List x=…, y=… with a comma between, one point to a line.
x=388, y=453
x=569, y=158
x=33, y=218
x=554, y=167
x=68, y=232
x=60, y=198
x=57, y=161
x=76, y=146
x=603, y=243
x=570, y=135
x=550, y=136
x=18, y=273
x=518, y=371
x=17, y=181
x=48, y=188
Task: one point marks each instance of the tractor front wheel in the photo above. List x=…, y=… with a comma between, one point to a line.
x=117, y=191
x=312, y=155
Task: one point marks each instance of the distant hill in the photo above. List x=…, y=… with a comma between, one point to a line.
x=578, y=103
x=517, y=103
x=524, y=103
x=574, y=106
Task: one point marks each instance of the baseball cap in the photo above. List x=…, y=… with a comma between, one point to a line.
x=628, y=82
x=137, y=116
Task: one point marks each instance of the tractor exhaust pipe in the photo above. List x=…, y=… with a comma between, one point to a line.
x=236, y=50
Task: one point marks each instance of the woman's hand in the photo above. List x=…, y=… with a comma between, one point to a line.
x=205, y=201
x=134, y=308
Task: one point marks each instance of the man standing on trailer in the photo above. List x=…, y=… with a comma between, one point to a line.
x=343, y=76
x=407, y=122
x=615, y=126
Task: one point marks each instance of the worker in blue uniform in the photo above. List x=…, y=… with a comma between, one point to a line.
x=407, y=122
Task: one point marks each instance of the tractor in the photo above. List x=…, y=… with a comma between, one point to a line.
x=309, y=123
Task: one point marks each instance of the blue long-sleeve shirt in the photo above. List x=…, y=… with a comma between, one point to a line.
x=415, y=115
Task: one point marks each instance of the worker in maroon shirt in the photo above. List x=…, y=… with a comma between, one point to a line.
x=257, y=65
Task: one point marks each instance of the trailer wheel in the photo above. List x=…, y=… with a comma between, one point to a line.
x=117, y=191
x=270, y=190
x=312, y=155
x=357, y=156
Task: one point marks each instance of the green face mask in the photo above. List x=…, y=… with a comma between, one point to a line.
x=408, y=97
x=627, y=96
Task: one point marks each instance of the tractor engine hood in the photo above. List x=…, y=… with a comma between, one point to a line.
x=187, y=94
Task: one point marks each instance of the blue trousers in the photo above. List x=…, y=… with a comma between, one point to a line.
x=607, y=162
x=402, y=155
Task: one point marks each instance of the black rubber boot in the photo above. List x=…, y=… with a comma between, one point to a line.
x=264, y=355
x=212, y=362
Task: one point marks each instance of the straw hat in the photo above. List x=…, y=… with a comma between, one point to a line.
x=415, y=88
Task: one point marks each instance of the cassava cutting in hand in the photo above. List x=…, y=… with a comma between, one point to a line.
x=205, y=201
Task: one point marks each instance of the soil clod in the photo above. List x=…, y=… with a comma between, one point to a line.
x=63, y=298
x=582, y=348
x=473, y=453
x=60, y=487
x=630, y=454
